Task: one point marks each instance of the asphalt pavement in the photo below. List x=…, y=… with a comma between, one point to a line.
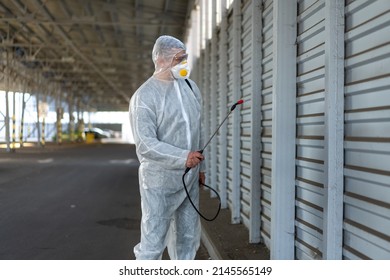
x=71, y=202
x=82, y=202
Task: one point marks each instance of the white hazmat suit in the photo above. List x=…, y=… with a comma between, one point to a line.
x=165, y=116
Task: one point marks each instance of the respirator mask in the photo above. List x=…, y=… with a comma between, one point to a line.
x=181, y=70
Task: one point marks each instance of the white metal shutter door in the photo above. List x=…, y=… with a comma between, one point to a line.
x=207, y=107
x=218, y=108
x=204, y=91
x=206, y=104
x=194, y=72
x=202, y=77
x=230, y=101
x=266, y=110
x=310, y=129
x=245, y=111
x=367, y=130
x=222, y=100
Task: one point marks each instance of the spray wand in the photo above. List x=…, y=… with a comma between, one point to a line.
x=239, y=102
x=201, y=151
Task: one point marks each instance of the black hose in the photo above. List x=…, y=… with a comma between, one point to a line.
x=193, y=205
x=201, y=151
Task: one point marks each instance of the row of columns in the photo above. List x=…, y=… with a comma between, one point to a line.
x=10, y=121
x=14, y=81
x=283, y=154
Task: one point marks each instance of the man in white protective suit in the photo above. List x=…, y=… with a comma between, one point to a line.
x=165, y=116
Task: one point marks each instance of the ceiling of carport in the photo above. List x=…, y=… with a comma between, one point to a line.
x=97, y=50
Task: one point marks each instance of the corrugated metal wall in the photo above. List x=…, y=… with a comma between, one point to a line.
x=222, y=108
x=246, y=88
x=217, y=109
x=310, y=129
x=365, y=205
x=229, y=122
x=367, y=130
x=207, y=97
x=266, y=124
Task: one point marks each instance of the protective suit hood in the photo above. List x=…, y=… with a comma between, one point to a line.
x=164, y=51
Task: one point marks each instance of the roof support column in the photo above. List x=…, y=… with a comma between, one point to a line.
x=71, y=118
x=213, y=94
x=22, y=116
x=43, y=116
x=223, y=89
x=13, y=120
x=334, y=129
x=38, y=118
x=7, y=81
x=254, y=230
x=236, y=184
x=284, y=130
x=59, y=113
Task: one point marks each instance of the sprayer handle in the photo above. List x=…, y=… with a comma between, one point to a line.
x=189, y=168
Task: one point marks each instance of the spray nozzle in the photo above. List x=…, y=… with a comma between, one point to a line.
x=237, y=103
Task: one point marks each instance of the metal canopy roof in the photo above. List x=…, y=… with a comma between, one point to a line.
x=97, y=50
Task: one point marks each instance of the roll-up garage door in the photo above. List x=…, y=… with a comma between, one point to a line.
x=219, y=115
x=203, y=66
x=367, y=130
x=266, y=110
x=207, y=106
x=230, y=101
x=310, y=129
x=222, y=110
x=246, y=88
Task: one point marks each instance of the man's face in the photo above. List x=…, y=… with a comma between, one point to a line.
x=179, y=57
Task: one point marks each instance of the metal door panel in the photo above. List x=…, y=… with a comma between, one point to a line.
x=375, y=243
x=358, y=243
x=310, y=128
x=367, y=212
x=312, y=84
x=314, y=153
x=367, y=130
x=266, y=123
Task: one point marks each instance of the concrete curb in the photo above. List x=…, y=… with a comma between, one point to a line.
x=209, y=245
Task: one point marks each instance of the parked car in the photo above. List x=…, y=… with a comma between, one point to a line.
x=97, y=132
